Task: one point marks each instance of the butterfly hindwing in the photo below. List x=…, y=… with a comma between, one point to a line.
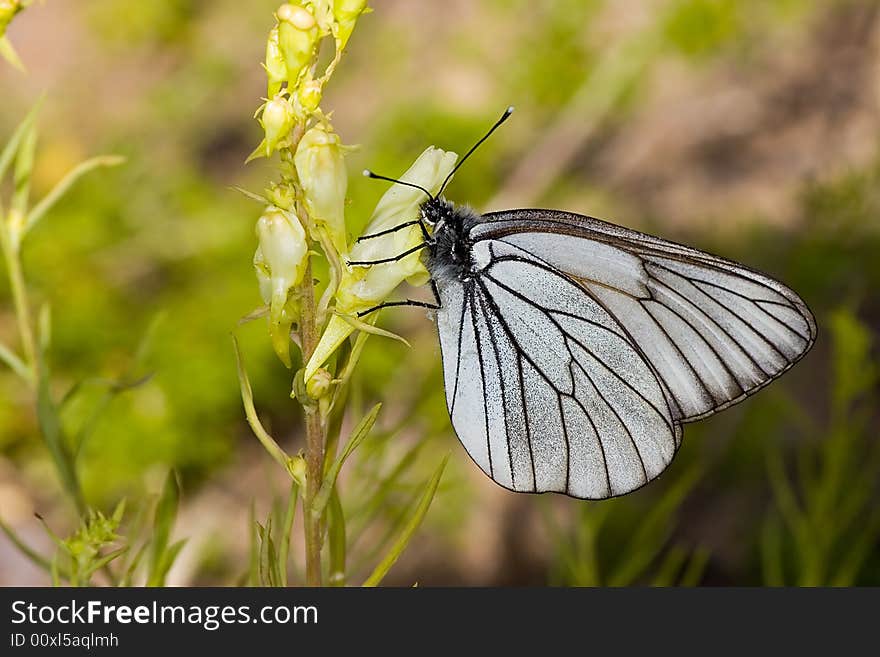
x=544, y=388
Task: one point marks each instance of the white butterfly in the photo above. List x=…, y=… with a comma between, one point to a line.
x=574, y=349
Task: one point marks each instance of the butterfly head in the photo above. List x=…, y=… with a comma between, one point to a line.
x=449, y=253
x=437, y=212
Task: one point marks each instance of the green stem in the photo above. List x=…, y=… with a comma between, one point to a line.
x=314, y=437
x=309, y=332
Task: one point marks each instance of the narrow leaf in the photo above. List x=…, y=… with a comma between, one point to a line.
x=106, y=559
x=409, y=530
x=163, y=522
x=15, y=363
x=8, y=53
x=653, y=532
x=336, y=540
x=289, y=517
x=254, y=197
x=693, y=573
x=24, y=166
x=50, y=427
x=360, y=432
x=24, y=548
x=354, y=322
x=247, y=398
x=11, y=148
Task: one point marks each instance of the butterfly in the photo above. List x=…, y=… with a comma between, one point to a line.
x=574, y=350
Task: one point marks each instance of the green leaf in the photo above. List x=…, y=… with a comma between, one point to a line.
x=127, y=578
x=247, y=398
x=61, y=187
x=693, y=573
x=11, y=148
x=771, y=552
x=253, y=577
x=653, y=531
x=8, y=53
x=377, y=500
x=248, y=194
x=289, y=517
x=409, y=530
x=168, y=559
x=269, y=572
x=24, y=166
x=15, y=363
x=358, y=435
x=105, y=560
x=670, y=567
x=336, y=540
x=855, y=556
x=163, y=522
x=50, y=428
x=34, y=556
x=360, y=325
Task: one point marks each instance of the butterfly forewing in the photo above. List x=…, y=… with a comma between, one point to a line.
x=712, y=330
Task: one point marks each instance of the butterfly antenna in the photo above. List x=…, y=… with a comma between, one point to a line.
x=503, y=118
x=376, y=176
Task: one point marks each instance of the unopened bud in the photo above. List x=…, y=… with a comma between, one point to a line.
x=297, y=16
x=297, y=37
x=319, y=384
x=276, y=69
x=280, y=262
x=297, y=467
x=281, y=196
x=346, y=13
x=320, y=165
x=309, y=94
x=277, y=120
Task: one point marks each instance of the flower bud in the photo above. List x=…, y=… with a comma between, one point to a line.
x=297, y=38
x=323, y=13
x=280, y=261
x=276, y=69
x=277, y=120
x=320, y=165
x=297, y=468
x=346, y=13
x=309, y=94
x=364, y=287
x=281, y=196
x=319, y=384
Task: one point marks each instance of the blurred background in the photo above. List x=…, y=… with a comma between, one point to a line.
x=748, y=128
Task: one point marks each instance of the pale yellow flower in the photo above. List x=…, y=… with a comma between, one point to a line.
x=362, y=288
x=320, y=165
x=280, y=261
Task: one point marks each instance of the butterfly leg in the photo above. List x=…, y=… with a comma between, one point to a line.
x=414, y=222
x=365, y=263
x=390, y=304
x=408, y=302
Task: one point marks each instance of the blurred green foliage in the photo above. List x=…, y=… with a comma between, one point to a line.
x=780, y=489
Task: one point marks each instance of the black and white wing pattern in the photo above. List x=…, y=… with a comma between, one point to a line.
x=577, y=349
x=713, y=330
x=545, y=390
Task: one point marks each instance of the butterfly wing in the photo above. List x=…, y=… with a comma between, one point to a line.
x=711, y=329
x=544, y=389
